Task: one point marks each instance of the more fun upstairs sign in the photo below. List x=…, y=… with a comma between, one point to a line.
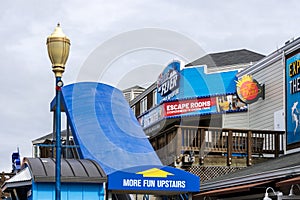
x=154, y=178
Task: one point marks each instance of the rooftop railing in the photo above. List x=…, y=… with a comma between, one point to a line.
x=202, y=141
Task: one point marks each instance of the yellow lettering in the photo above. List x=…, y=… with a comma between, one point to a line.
x=298, y=66
x=294, y=68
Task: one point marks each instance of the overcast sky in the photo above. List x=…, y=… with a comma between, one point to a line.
x=27, y=83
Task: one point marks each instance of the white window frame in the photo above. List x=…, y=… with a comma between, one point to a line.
x=154, y=97
x=143, y=105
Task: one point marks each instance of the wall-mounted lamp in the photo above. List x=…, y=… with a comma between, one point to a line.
x=278, y=194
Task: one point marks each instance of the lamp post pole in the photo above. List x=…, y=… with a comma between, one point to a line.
x=58, y=140
x=58, y=46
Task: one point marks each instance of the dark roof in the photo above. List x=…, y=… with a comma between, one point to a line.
x=72, y=170
x=242, y=56
x=284, y=166
x=49, y=136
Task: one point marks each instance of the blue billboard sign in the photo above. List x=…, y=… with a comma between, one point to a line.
x=176, y=82
x=168, y=80
x=188, y=91
x=292, y=99
x=154, y=178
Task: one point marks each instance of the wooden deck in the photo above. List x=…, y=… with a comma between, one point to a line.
x=188, y=142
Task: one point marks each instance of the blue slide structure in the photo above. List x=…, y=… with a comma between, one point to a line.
x=106, y=130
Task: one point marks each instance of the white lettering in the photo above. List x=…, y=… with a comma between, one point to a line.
x=295, y=85
x=131, y=183
x=169, y=85
x=170, y=184
x=178, y=107
x=200, y=104
x=148, y=183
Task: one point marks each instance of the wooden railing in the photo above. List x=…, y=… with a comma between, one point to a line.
x=201, y=141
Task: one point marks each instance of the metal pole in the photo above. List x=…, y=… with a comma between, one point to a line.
x=67, y=139
x=53, y=134
x=58, y=140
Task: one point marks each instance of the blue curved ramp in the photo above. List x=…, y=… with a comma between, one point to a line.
x=105, y=128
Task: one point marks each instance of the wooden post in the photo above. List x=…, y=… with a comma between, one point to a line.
x=249, y=148
x=109, y=195
x=277, y=145
x=202, y=146
x=190, y=196
x=199, y=139
x=165, y=147
x=179, y=142
x=229, y=148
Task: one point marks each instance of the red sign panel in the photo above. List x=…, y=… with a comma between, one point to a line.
x=190, y=105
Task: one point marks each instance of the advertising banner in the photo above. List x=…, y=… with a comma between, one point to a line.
x=178, y=82
x=292, y=99
x=249, y=90
x=183, y=91
x=168, y=81
x=200, y=106
x=154, y=178
x=151, y=117
x=195, y=106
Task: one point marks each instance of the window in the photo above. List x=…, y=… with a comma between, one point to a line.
x=143, y=105
x=133, y=109
x=154, y=97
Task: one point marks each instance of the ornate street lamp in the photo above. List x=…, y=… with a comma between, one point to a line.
x=58, y=46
